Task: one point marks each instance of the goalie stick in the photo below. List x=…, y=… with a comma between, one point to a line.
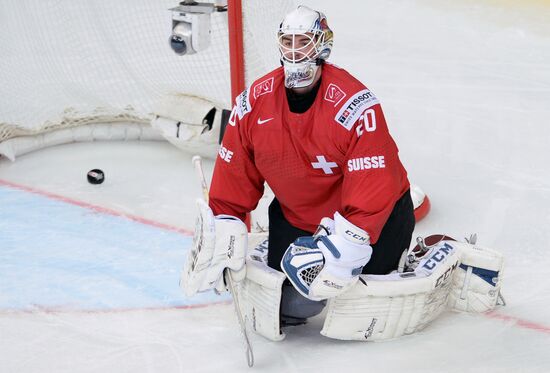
x=197, y=165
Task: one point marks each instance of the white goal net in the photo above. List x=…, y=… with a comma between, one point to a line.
x=72, y=63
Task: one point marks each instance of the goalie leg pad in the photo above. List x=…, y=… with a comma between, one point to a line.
x=200, y=255
x=383, y=307
x=364, y=314
x=477, y=281
x=261, y=299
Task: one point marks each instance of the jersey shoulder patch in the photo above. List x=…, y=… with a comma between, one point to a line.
x=351, y=110
x=263, y=86
x=334, y=94
x=349, y=97
x=242, y=103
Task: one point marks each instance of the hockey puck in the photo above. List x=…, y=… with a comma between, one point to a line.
x=96, y=176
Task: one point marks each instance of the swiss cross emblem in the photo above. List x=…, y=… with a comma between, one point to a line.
x=343, y=117
x=263, y=87
x=325, y=165
x=334, y=94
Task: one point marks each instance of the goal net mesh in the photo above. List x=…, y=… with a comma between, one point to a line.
x=67, y=64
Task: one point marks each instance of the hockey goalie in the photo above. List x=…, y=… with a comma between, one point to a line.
x=342, y=216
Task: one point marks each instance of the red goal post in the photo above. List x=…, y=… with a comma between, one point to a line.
x=236, y=49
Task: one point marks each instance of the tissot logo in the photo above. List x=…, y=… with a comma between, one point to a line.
x=352, y=109
x=355, y=102
x=334, y=94
x=243, y=104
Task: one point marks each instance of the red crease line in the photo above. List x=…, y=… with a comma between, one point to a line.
x=59, y=310
x=519, y=322
x=96, y=208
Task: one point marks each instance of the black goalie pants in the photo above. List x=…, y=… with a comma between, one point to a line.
x=394, y=238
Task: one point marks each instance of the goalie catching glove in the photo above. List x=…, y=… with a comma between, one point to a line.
x=324, y=266
x=219, y=242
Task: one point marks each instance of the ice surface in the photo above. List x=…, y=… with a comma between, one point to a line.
x=88, y=274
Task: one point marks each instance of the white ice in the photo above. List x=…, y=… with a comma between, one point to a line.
x=465, y=87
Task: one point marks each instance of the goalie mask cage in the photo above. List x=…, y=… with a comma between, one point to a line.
x=68, y=65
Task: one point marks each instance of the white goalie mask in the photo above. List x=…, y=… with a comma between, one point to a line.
x=305, y=41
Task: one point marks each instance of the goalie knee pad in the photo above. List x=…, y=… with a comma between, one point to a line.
x=477, y=281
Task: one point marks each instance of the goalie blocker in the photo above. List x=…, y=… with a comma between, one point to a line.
x=448, y=275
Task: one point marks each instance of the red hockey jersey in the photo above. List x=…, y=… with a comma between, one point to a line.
x=337, y=156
